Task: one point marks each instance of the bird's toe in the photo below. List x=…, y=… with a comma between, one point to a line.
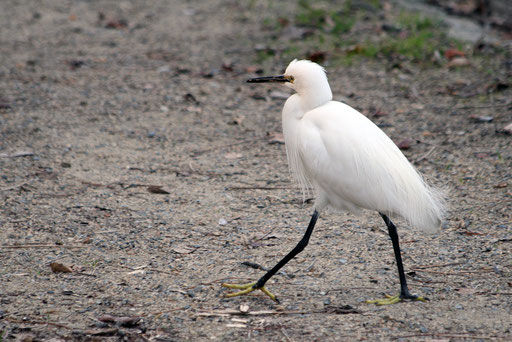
x=247, y=288
x=385, y=301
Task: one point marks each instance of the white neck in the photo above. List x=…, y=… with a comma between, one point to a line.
x=313, y=93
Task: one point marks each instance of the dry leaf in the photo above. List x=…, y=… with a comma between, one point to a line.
x=317, y=56
x=136, y=272
x=101, y=332
x=157, y=189
x=233, y=155
x=501, y=185
x=60, y=268
x=227, y=66
x=379, y=113
x=258, y=96
x=466, y=291
x=404, y=144
x=472, y=233
x=452, y=53
x=116, y=24
x=182, y=250
x=236, y=121
x=123, y=321
x=17, y=154
x=458, y=62
x=477, y=118
x=508, y=128
x=275, y=138
x=4, y=104
x=190, y=98
x=342, y=310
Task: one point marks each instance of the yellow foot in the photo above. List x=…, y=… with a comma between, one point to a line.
x=394, y=299
x=247, y=288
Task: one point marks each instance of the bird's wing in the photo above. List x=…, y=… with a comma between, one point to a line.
x=353, y=164
x=349, y=157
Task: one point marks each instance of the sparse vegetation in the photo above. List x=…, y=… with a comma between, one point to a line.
x=335, y=21
x=406, y=35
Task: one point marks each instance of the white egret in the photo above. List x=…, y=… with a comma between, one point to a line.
x=351, y=164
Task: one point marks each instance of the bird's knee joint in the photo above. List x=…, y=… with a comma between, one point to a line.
x=302, y=244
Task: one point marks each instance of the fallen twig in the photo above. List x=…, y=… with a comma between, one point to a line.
x=59, y=325
x=255, y=187
x=483, y=107
x=351, y=288
x=454, y=273
x=446, y=335
x=425, y=155
x=17, y=154
x=421, y=267
x=253, y=265
x=168, y=311
x=96, y=185
x=197, y=153
x=503, y=240
x=231, y=312
x=17, y=185
x=224, y=279
x=39, y=246
x=286, y=335
x=148, y=269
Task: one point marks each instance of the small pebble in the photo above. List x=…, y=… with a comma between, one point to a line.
x=164, y=68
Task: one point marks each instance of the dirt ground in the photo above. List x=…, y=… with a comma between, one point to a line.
x=133, y=153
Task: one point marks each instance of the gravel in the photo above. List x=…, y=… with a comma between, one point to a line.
x=102, y=102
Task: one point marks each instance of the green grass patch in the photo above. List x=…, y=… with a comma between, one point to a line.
x=416, y=38
x=263, y=55
x=349, y=31
x=415, y=22
x=419, y=46
x=335, y=21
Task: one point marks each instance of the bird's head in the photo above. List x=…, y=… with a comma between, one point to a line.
x=308, y=79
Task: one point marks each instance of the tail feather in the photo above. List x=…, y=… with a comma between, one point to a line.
x=427, y=209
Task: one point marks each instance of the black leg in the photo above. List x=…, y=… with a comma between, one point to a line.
x=393, y=234
x=299, y=248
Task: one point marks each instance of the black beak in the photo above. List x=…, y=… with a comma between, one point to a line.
x=281, y=78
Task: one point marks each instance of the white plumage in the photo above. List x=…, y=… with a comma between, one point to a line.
x=350, y=162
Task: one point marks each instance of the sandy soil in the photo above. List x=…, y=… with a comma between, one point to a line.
x=100, y=100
